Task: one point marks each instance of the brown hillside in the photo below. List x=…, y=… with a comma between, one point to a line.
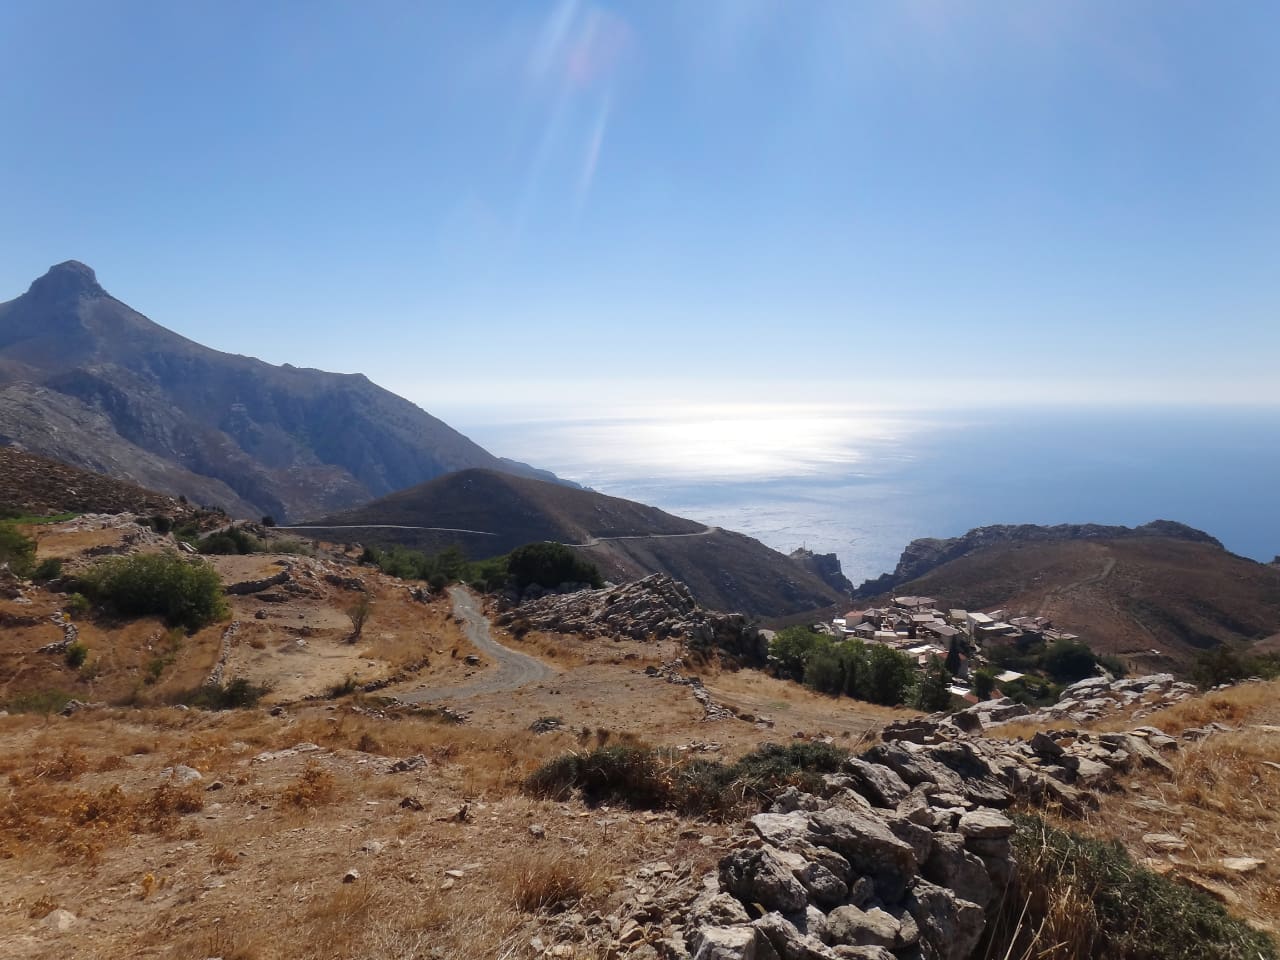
x=724, y=570
x=1129, y=597
x=38, y=485
x=517, y=509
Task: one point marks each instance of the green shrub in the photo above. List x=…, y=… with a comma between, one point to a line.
x=1084, y=898
x=39, y=701
x=1226, y=664
x=161, y=524
x=230, y=542
x=237, y=694
x=290, y=545
x=549, y=565
x=984, y=682
x=649, y=779
x=77, y=605
x=871, y=672
x=16, y=549
x=185, y=593
x=50, y=568
x=75, y=655
x=1069, y=660
x=344, y=687
x=933, y=693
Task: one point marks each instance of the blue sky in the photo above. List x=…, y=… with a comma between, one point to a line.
x=529, y=203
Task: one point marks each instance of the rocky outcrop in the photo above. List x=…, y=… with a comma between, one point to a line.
x=824, y=566
x=1086, y=701
x=654, y=608
x=926, y=554
x=905, y=853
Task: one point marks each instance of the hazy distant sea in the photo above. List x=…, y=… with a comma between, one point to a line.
x=863, y=484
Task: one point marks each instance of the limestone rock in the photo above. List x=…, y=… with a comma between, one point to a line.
x=949, y=927
x=950, y=865
x=877, y=783
x=864, y=928
x=985, y=824
x=726, y=943
x=869, y=846
x=60, y=921
x=760, y=876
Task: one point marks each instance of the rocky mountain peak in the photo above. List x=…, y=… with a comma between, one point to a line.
x=68, y=280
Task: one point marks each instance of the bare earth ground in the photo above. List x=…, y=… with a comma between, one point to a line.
x=249, y=860
x=254, y=868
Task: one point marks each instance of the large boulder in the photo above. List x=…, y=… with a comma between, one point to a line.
x=877, y=783
x=863, y=928
x=950, y=865
x=760, y=876
x=870, y=847
x=729, y=943
x=950, y=927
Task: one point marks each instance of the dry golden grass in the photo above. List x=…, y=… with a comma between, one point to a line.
x=540, y=881
x=294, y=825
x=1223, y=800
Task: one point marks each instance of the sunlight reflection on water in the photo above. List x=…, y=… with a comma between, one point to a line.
x=863, y=483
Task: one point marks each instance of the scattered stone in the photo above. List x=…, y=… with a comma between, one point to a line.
x=60, y=921
x=1242, y=864
x=351, y=876
x=1164, y=842
x=407, y=764
x=181, y=775
x=537, y=831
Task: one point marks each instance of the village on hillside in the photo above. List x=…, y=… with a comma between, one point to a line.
x=917, y=627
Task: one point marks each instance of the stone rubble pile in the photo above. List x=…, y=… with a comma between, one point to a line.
x=654, y=608
x=902, y=855
x=225, y=645
x=670, y=672
x=1095, y=698
x=70, y=633
x=1083, y=702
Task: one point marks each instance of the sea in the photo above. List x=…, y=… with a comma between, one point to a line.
x=862, y=483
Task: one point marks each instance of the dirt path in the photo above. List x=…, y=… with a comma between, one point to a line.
x=1108, y=565
x=511, y=669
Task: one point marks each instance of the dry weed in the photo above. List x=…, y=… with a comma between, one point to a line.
x=316, y=786
x=539, y=882
x=67, y=764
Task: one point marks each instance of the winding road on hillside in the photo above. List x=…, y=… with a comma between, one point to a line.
x=385, y=526
x=589, y=542
x=511, y=669
x=592, y=541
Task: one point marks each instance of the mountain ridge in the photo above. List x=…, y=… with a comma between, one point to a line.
x=87, y=379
